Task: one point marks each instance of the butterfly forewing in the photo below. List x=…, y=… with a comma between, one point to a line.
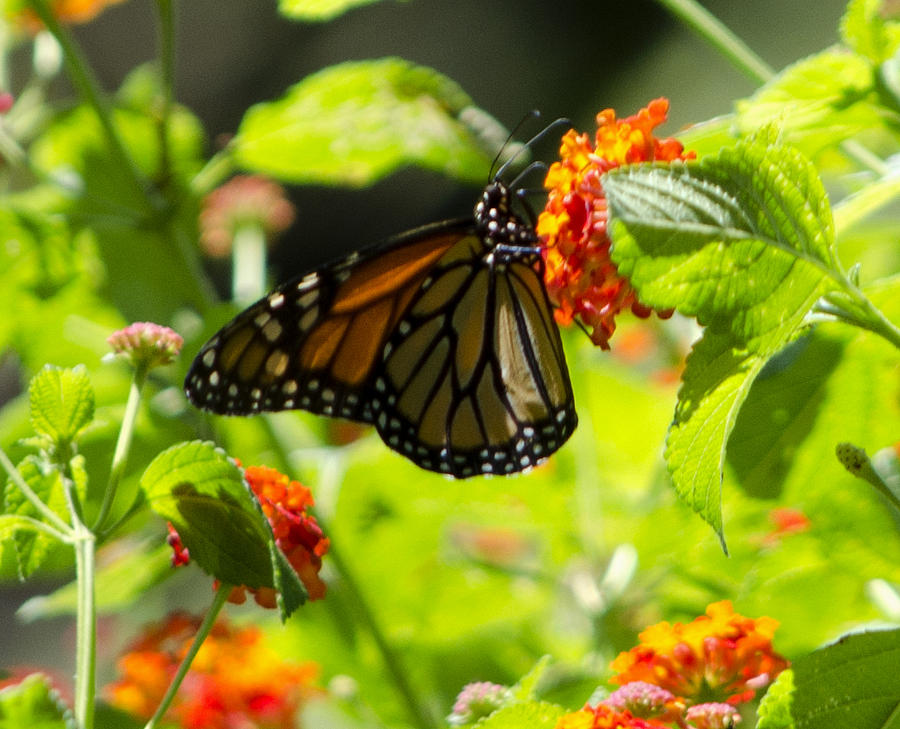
x=313, y=343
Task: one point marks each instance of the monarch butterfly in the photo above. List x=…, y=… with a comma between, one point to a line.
x=444, y=340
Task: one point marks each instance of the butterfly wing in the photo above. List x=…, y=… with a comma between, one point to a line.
x=313, y=343
x=474, y=379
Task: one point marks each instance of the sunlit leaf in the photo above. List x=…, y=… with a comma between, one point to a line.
x=866, y=30
x=850, y=683
x=742, y=241
x=528, y=715
x=356, y=122
x=34, y=704
x=62, y=403
x=318, y=10
x=33, y=545
x=817, y=102
x=775, y=708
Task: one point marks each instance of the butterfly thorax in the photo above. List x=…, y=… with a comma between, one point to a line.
x=502, y=231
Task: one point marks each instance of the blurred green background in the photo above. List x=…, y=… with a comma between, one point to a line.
x=565, y=59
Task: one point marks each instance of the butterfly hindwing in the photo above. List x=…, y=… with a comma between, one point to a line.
x=473, y=379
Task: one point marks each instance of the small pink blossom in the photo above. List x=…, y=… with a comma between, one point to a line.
x=477, y=700
x=146, y=344
x=713, y=716
x=641, y=699
x=245, y=200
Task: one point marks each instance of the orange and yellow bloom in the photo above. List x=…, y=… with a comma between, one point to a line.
x=718, y=657
x=580, y=277
x=236, y=679
x=66, y=11
x=605, y=717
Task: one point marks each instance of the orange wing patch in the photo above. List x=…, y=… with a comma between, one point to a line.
x=367, y=307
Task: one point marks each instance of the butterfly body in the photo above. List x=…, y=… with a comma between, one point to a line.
x=444, y=341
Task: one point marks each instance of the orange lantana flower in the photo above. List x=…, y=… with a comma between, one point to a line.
x=582, y=281
x=66, y=11
x=297, y=533
x=236, y=679
x=605, y=717
x=720, y=656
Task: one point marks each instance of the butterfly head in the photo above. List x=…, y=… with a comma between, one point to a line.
x=498, y=224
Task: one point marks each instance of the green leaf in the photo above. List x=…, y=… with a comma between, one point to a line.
x=866, y=30
x=797, y=410
x=62, y=403
x=32, y=546
x=743, y=241
x=775, y=708
x=120, y=583
x=197, y=488
x=817, y=102
x=34, y=704
x=850, y=683
x=356, y=122
x=318, y=10
x=527, y=715
x=525, y=688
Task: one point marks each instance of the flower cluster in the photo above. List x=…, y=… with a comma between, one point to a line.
x=719, y=657
x=236, y=679
x=146, y=345
x=245, y=200
x=580, y=277
x=689, y=676
x=603, y=716
x=297, y=533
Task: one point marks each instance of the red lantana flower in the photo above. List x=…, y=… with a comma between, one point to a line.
x=720, y=656
x=581, y=279
x=297, y=533
x=235, y=681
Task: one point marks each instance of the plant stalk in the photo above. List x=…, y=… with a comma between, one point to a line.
x=123, y=444
x=721, y=37
x=218, y=603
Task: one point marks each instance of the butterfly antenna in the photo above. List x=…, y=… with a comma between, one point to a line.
x=533, y=114
x=562, y=121
x=514, y=183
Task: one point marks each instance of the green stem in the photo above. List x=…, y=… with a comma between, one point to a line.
x=86, y=638
x=214, y=172
x=713, y=30
x=123, y=444
x=87, y=85
x=218, y=603
x=861, y=313
x=44, y=510
x=420, y=717
x=167, y=72
x=395, y=670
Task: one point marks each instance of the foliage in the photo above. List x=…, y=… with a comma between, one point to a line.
x=776, y=246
